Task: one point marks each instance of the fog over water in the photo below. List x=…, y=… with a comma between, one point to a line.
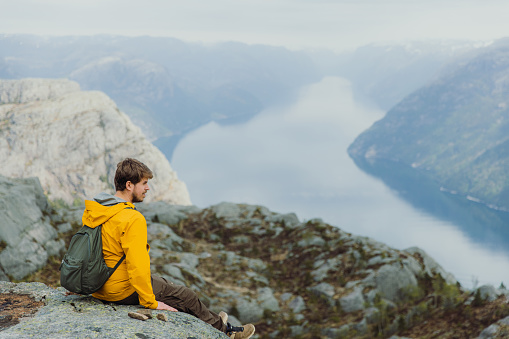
x=293, y=159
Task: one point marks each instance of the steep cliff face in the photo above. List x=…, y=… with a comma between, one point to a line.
x=72, y=140
x=454, y=130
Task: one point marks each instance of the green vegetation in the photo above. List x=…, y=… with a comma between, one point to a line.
x=454, y=130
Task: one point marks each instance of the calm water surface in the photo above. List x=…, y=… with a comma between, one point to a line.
x=293, y=159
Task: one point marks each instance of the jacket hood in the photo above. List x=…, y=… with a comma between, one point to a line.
x=96, y=213
x=108, y=199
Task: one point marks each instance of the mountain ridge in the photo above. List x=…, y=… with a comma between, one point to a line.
x=453, y=130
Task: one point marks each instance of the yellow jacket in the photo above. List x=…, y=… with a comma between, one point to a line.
x=124, y=231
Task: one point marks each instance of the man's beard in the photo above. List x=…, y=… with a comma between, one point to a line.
x=138, y=198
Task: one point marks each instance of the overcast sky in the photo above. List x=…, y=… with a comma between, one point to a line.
x=337, y=25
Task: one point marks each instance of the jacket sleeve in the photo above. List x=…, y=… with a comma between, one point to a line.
x=134, y=244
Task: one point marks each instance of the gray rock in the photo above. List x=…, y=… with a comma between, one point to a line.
x=286, y=296
x=496, y=330
x=352, y=302
x=325, y=291
x=226, y=210
x=267, y=300
x=176, y=281
x=231, y=260
x=274, y=334
x=3, y=276
x=19, y=209
x=72, y=316
x=371, y=295
x=488, y=293
x=73, y=214
x=159, y=230
x=249, y=310
x=296, y=330
x=323, y=267
x=18, y=265
x=165, y=213
x=370, y=279
x=392, y=279
x=297, y=304
x=255, y=277
x=431, y=267
x=378, y=260
x=361, y=327
x=489, y=332
x=36, y=142
x=290, y=220
x=195, y=275
x=313, y=241
x=156, y=253
x=252, y=210
x=352, y=284
x=30, y=90
x=372, y=315
x=65, y=227
x=256, y=265
x=341, y=332
x=241, y=239
x=54, y=247
x=189, y=260
x=504, y=321
x=174, y=271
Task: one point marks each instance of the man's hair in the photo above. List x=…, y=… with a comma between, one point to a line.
x=130, y=170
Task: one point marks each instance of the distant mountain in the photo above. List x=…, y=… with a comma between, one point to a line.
x=166, y=86
x=454, y=132
x=72, y=141
x=386, y=73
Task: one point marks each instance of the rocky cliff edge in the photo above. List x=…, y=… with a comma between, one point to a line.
x=291, y=278
x=72, y=140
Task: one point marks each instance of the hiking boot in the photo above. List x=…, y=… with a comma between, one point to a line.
x=224, y=317
x=248, y=331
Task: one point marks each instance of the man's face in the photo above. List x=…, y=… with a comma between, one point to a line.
x=140, y=190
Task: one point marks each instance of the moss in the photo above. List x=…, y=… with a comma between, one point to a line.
x=78, y=202
x=59, y=204
x=3, y=245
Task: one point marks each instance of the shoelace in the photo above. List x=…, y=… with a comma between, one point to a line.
x=230, y=329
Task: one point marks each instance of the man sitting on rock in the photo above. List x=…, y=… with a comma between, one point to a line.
x=125, y=231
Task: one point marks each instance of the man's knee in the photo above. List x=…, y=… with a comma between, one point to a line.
x=186, y=293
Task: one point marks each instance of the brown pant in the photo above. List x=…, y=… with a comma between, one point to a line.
x=181, y=298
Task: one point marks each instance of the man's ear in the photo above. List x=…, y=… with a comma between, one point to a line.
x=129, y=186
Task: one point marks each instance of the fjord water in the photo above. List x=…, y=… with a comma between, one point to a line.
x=293, y=158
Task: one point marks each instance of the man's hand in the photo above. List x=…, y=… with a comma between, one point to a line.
x=163, y=306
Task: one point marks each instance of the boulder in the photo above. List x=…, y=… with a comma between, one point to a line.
x=392, y=279
x=267, y=300
x=324, y=291
x=488, y=293
x=430, y=266
x=297, y=304
x=353, y=301
x=74, y=316
x=26, y=231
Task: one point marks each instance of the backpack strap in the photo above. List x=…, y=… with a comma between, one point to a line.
x=123, y=257
x=118, y=263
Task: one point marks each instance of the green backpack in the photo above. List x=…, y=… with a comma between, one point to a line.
x=83, y=269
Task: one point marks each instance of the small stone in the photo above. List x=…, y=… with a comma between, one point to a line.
x=146, y=312
x=137, y=316
x=162, y=317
